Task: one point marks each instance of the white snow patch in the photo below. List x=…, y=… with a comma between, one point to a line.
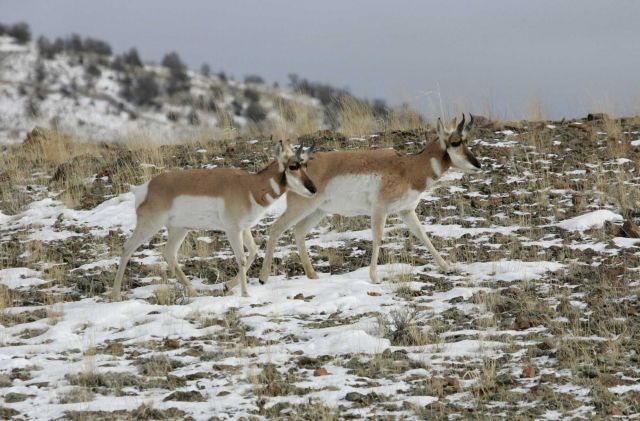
x=595, y=219
x=20, y=277
x=510, y=270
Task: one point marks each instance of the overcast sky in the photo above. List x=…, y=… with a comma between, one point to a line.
x=497, y=56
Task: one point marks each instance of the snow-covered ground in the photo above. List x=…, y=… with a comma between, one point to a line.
x=531, y=284
x=93, y=106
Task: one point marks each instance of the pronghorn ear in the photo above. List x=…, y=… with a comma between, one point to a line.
x=453, y=124
x=468, y=127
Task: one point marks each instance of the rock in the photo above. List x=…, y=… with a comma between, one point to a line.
x=224, y=393
x=114, y=348
x=171, y=343
x=299, y=296
x=596, y=116
x=188, y=396
x=360, y=399
x=505, y=379
x=320, y=371
x=630, y=229
x=522, y=322
x=373, y=294
x=12, y=397
x=528, y=372
x=6, y=413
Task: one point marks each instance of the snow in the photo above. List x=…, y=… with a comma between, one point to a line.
x=96, y=108
x=595, y=219
x=20, y=277
x=510, y=270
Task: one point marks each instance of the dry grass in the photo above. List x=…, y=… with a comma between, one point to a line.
x=356, y=117
x=295, y=119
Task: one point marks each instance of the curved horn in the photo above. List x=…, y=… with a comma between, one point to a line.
x=469, y=125
x=460, y=127
x=300, y=149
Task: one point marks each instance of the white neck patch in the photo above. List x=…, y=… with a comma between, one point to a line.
x=275, y=186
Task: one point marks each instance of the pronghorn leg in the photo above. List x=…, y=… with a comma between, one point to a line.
x=378, y=220
x=411, y=220
x=176, y=237
x=251, y=246
x=290, y=217
x=235, y=238
x=300, y=231
x=142, y=233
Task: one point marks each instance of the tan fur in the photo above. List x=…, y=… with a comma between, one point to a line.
x=229, y=183
x=401, y=177
x=239, y=191
x=400, y=172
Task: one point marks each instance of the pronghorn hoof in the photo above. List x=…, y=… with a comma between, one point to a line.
x=313, y=275
x=116, y=297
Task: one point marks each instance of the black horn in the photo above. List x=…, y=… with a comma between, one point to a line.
x=460, y=127
x=300, y=149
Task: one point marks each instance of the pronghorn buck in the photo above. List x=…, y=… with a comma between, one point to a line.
x=375, y=183
x=225, y=199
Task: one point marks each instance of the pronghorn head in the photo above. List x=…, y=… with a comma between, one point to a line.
x=454, y=140
x=293, y=167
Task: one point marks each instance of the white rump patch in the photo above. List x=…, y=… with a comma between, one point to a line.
x=275, y=186
x=140, y=193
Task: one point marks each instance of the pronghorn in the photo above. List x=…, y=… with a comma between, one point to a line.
x=225, y=199
x=374, y=183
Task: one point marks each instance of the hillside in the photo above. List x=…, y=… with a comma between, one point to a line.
x=540, y=322
x=116, y=98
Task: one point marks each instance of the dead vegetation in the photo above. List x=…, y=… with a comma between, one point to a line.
x=564, y=343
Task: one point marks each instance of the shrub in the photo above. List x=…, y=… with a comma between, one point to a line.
x=20, y=31
x=49, y=49
x=74, y=44
x=93, y=70
x=96, y=46
x=258, y=80
x=255, y=112
x=252, y=95
x=132, y=58
x=141, y=89
x=178, y=77
x=193, y=117
x=173, y=62
x=40, y=71
x=205, y=70
x=237, y=107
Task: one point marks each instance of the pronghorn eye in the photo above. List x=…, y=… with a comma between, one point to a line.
x=456, y=144
x=294, y=167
